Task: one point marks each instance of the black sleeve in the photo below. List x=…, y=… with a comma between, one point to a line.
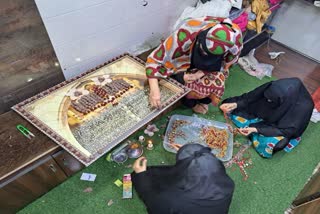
x=281, y=145
x=245, y=99
x=271, y=131
x=142, y=184
x=178, y=77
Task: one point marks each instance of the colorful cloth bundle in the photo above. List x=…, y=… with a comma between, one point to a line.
x=263, y=145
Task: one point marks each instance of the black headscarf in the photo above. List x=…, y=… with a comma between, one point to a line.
x=284, y=105
x=197, y=182
x=202, y=58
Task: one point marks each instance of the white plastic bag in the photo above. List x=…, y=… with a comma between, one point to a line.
x=215, y=8
x=251, y=65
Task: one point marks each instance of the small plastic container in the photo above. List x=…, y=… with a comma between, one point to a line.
x=119, y=157
x=191, y=134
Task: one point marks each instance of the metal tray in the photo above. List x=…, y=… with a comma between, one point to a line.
x=191, y=134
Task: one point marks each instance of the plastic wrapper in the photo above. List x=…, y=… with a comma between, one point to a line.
x=251, y=65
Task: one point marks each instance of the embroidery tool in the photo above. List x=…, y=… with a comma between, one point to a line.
x=25, y=131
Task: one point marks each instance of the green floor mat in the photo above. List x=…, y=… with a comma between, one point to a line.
x=271, y=187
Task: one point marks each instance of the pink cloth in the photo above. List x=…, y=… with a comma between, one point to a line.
x=242, y=21
x=275, y=1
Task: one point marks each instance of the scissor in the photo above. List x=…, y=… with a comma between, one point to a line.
x=25, y=131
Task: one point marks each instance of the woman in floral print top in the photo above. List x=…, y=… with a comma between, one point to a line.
x=198, y=54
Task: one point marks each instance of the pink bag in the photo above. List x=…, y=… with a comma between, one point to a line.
x=242, y=21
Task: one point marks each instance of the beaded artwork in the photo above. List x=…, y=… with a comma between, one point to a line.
x=215, y=139
x=183, y=130
x=90, y=114
x=242, y=159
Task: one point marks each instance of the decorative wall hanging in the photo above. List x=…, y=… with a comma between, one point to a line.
x=90, y=114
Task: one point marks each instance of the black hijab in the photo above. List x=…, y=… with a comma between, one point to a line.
x=197, y=182
x=199, y=174
x=284, y=105
x=202, y=58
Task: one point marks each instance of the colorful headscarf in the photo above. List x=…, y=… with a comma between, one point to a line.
x=212, y=44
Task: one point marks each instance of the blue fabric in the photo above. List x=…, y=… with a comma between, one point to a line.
x=241, y=122
x=263, y=145
x=292, y=144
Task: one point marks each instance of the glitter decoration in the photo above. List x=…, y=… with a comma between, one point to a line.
x=216, y=139
x=95, y=132
x=184, y=130
x=175, y=133
x=241, y=161
x=102, y=80
x=77, y=93
x=151, y=129
x=91, y=113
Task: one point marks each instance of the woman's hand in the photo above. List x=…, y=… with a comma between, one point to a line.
x=140, y=165
x=199, y=74
x=228, y=107
x=189, y=78
x=247, y=131
x=176, y=146
x=154, y=96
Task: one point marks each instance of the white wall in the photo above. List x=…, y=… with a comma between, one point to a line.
x=86, y=33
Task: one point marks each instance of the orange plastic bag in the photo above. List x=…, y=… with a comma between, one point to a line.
x=316, y=99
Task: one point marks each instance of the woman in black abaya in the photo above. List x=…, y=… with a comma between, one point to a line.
x=274, y=115
x=197, y=183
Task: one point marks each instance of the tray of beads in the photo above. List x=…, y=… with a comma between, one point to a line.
x=183, y=130
x=90, y=114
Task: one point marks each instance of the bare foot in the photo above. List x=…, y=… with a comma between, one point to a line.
x=200, y=109
x=205, y=106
